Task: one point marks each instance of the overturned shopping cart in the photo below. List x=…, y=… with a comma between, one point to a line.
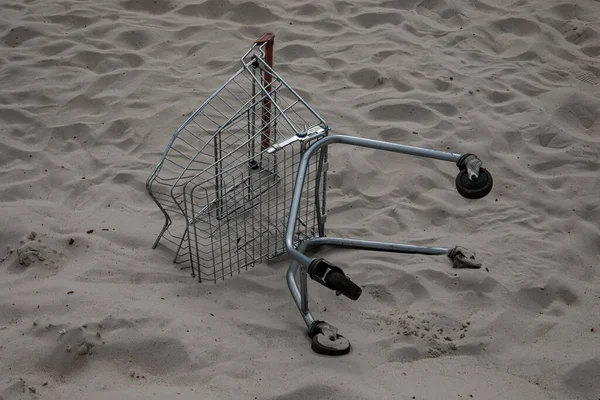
x=244, y=180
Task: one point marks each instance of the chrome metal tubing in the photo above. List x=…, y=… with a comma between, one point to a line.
x=300, y=292
x=294, y=253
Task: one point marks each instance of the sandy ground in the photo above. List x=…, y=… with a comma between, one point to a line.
x=90, y=94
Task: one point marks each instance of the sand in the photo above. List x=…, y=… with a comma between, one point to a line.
x=90, y=94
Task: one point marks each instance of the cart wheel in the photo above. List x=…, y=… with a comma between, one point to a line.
x=476, y=189
x=330, y=345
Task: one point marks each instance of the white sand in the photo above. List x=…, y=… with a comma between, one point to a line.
x=96, y=89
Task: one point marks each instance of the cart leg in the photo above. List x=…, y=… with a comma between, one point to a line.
x=325, y=338
x=472, y=182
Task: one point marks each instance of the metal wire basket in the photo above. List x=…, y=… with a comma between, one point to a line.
x=225, y=181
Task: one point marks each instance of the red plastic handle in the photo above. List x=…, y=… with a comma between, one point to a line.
x=268, y=37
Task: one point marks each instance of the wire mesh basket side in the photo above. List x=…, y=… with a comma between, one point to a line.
x=249, y=227
x=216, y=165
x=231, y=204
x=192, y=149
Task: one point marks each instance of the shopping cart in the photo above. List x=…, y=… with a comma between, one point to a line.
x=244, y=180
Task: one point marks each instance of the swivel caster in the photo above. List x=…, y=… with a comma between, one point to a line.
x=326, y=340
x=473, y=181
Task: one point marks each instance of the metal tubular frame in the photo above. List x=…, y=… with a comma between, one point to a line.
x=300, y=261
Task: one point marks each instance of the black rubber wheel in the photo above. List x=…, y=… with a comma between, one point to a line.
x=330, y=346
x=477, y=189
